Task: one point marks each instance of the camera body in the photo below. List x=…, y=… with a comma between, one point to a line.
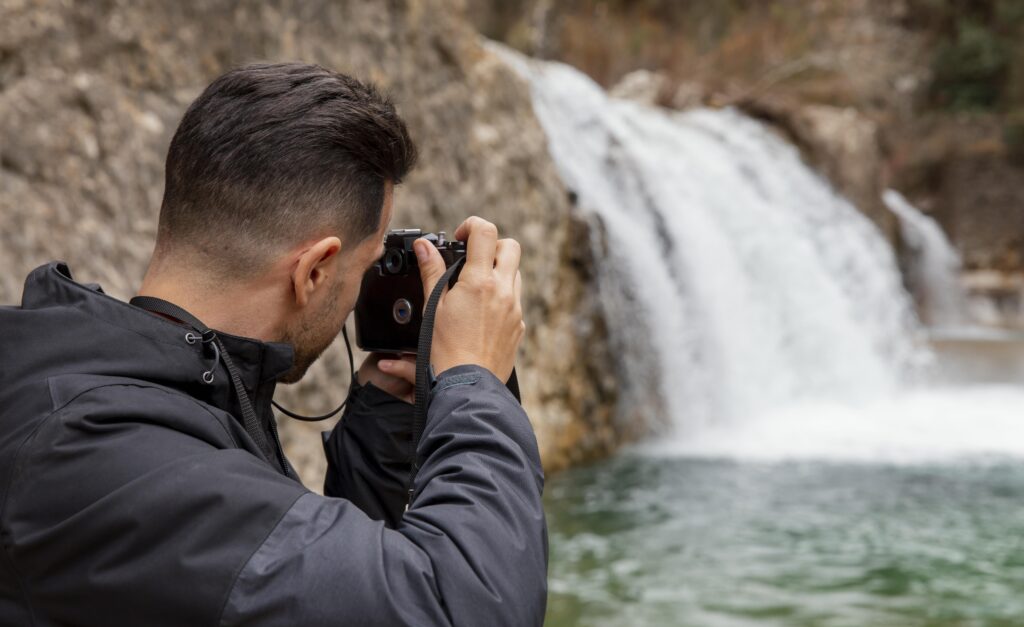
x=390, y=306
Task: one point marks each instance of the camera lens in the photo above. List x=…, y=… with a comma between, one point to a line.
x=402, y=311
x=394, y=261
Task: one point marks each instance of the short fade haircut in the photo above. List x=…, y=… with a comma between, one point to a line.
x=272, y=154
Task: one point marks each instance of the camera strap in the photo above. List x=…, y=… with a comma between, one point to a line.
x=425, y=378
x=352, y=372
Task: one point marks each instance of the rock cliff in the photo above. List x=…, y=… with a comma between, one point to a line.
x=90, y=94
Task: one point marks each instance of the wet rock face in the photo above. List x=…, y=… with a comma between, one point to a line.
x=90, y=94
x=985, y=212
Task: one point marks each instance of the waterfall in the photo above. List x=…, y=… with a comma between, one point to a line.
x=934, y=265
x=754, y=282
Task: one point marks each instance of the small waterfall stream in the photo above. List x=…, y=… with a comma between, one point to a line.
x=933, y=276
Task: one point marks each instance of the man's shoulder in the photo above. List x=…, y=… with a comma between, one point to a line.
x=142, y=483
x=134, y=445
x=98, y=400
x=103, y=431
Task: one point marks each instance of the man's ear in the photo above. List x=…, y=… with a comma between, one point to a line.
x=312, y=268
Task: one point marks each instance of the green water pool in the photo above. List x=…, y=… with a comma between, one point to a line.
x=639, y=541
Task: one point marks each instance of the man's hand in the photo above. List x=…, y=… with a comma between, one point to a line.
x=480, y=320
x=397, y=377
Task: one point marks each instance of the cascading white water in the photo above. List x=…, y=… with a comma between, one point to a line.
x=936, y=264
x=745, y=262
x=774, y=309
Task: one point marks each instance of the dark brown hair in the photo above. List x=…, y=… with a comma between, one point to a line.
x=271, y=154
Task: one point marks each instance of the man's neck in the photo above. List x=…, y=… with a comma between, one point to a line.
x=245, y=310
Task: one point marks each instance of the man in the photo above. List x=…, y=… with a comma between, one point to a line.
x=142, y=482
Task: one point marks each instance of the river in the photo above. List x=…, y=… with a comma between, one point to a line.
x=642, y=540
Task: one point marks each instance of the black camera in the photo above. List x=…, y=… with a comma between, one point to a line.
x=390, y=306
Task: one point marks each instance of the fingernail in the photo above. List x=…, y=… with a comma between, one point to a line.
x=421, y=250
x=384, y=364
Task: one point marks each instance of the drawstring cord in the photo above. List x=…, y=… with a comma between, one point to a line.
x=208, y=375
x=209, y=337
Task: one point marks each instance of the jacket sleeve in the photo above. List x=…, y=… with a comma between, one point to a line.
x=471, y=549
x=368, y=453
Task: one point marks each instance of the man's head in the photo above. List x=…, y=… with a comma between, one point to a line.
x=280, y=177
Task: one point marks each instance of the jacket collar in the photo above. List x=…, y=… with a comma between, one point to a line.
x=167, y=357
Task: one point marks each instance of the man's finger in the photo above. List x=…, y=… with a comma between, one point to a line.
x=517, y=287
x=481, y=239
x=431, y=265
x=506, y=259
x=404, y=368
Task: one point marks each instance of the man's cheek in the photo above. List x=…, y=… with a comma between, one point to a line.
x=350, y=302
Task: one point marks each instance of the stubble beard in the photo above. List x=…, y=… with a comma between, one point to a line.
x=311, y=337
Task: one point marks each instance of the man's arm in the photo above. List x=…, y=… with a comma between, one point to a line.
x=471, y=549
x=368, y=453
x=479, y=322
x=151, y=521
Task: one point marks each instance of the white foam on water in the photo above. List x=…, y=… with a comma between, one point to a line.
x=973, y=424
x=775, y=309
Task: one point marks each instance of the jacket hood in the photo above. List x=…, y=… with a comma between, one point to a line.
x=66, y=327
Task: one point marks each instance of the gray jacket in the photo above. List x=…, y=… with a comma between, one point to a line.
x=130, y=494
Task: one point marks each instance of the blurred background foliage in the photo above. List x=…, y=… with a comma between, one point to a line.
x=978, y=60
x=976, y=46
x=979, y=52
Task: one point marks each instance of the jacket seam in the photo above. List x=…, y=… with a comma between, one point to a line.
x=458, y=379
x=17, y=456
x=145, y=386
x=481, y=379
x=241, y=567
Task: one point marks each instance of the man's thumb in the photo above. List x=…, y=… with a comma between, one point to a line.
x=431, y=265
